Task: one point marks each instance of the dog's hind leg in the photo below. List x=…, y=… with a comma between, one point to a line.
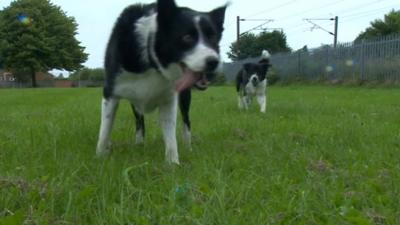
x=140, y=128
x=185, y=98
x=240, y=101
x=108, y=108
x=168, y=113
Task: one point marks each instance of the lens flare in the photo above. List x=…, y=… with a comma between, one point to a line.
x=349, y=62
x=25, y=20
x=329, y=69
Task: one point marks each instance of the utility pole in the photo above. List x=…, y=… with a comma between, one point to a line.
x=238, y=34
x=336, y=32
x=237, y=28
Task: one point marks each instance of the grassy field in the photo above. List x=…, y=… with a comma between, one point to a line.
x=321, y=155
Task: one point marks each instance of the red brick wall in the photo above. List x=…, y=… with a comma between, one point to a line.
x=63, y=83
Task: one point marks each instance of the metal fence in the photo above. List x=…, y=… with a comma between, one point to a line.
x=376, y=60
x=27, y=84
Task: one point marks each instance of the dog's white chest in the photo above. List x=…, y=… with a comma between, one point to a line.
x=146, y=91
x=258, y=90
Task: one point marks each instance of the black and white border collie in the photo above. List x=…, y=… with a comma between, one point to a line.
x=155, y=54
x=252, y=81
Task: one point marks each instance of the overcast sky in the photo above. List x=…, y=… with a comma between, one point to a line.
x=96, y=18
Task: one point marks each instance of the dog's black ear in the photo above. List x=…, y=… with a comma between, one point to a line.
x=218, y=17
x=166, y=10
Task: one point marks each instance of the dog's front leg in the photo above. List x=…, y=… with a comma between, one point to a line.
x=108, y=108
x=246, y=101
x=185, y=98
x=168, y=113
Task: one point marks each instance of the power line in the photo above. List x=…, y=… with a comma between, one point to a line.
x=352, y=18
x=345, y=17
x=271, y=9
x=309, y=10
x=263, y=11
x=316, y=26
x=257, y=27
x=358, y=7
x=368, y=12
x=238, y=33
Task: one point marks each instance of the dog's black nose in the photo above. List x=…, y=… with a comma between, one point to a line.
x=254, y=81
x=211, y=63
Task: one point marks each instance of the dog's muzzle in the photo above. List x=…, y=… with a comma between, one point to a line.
x=199, y=80
x=255, y=81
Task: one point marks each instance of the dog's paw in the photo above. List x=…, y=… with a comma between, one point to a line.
x=139, y=140
x=103, y=149
x=172, y=158
x=187, y=138
x=173, y=161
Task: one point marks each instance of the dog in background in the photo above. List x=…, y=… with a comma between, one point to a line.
x=155, y=54
x=251, y=81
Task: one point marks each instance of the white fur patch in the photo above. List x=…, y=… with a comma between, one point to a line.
x=108, y=109
x=148, y=90
x=144, y=27
x=258, y=92
x=168, y=113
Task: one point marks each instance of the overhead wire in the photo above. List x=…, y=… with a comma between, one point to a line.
x=343, y=17
x=270, y=9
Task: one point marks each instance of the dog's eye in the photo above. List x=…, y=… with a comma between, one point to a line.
x=188, y=39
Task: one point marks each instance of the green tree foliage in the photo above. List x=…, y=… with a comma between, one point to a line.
x=378, y=28
x=36, y=35
x=251, y=45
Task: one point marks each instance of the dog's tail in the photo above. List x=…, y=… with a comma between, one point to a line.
x=265, y=54
x=265, y=57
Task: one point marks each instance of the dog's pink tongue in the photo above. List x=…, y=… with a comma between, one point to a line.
x=188, y=79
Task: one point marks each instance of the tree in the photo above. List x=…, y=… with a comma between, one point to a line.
x=251, y=45
x=378, y=28
x=36, y=35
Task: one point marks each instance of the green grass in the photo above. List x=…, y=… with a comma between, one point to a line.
x=321, y=155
